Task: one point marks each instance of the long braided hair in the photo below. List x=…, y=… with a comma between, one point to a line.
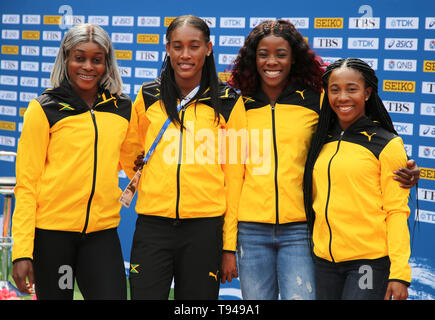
x=374, y=110
x=169, y=90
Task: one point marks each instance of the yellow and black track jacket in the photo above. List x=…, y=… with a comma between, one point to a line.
x=191, y=173
x=360, y=210
x=279, y=139
x=67, y=165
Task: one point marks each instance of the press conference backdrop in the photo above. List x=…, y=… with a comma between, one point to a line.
x=397, y=38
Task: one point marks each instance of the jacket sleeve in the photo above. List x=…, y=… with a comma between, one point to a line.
x=395, y=204
x=233, y=166
x=134, y=141
x=30, y=162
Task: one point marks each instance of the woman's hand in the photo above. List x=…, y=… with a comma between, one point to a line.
x=396, y=291
x=138, y=163
x=408, y=177
x=229, y=267
x=21, y=271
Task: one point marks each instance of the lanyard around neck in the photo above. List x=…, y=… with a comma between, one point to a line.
x=185, y=100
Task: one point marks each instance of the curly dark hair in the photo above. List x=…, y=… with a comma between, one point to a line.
x=306, y=69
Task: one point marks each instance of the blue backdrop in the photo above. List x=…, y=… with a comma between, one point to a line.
x=397, y=38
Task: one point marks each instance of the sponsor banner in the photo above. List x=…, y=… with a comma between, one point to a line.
x=403, y=107
x=328, y=23
x=401, y=43
x=427, y=130
x=427, y=173
x=399, y=86
x=427, y=152
x=426, y=194
x=401, y=23
x=425, y=216
x=363, y=43
x=429, y=44
x=364, y=23
x=427, y=109
x=428, y=87
x=327, y=43
x=400, y=65
x=404, y=128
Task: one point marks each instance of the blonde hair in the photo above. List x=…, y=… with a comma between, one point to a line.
x=111, y=80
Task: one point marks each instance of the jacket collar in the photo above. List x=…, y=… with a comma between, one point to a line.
x=68, y=98
x=363, y=123
x=260, y=96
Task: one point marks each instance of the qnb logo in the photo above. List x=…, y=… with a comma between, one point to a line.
x=66, y=279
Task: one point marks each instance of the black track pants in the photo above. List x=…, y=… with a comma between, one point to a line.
x=188, y=251
x=94, y=260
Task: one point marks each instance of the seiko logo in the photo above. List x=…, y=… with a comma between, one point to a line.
x=364, y=23
x=427, y=109
x=404, y=128
x=401, y=44
x=399, y=86
x=363, y=43
x=399, y=106
x=401, y=23
x=428, y=66
x=428, y=87
x=328, y=23
x=427, y=131
x=328, y=43
x=400, y=65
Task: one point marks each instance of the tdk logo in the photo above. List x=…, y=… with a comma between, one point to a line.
x=363, y=43
x=232, y=22
x=401, y=23
x=403, y=128
x=427, y=109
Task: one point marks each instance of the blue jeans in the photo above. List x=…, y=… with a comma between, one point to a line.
x=275, y=260
x=352, y=280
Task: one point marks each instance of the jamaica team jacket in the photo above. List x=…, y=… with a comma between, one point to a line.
x=360, y=210
x=195, y=170
x=67, y=165
x=279, y=139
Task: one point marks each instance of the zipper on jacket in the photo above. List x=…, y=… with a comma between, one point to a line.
x=276, y=163
x=180, y=159
x=329, y=192
x=88, y=209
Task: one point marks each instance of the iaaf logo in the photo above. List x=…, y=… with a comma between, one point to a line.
x=427, y=131
x=400, y=65
x=426, y=152
x=401, y=43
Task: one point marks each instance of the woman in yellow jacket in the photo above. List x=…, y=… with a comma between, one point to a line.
x=190, y=181
x=67, y=211
x=280, y=80
x=357, y=212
